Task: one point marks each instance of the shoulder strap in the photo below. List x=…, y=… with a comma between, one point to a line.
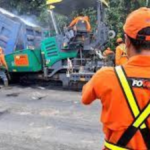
x=134, y=108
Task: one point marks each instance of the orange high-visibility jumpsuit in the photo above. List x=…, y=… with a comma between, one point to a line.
x=2, y=59
x=84, y=19
x=3, y=67
x=116, y=115
x=121, y=55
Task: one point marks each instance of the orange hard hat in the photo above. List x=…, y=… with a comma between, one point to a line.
x=137, y=21
x=119, y=40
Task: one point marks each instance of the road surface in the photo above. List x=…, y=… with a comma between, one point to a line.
x=38, y=118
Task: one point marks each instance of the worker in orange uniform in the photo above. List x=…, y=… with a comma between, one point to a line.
x=109, y=57
x=121, y=53
x=3, y=67
x=79, y=24
x=107, y=52
x=79, y=21
x=124, y=91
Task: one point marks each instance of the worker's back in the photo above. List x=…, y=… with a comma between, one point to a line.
x=125, y=90
x=116, y=115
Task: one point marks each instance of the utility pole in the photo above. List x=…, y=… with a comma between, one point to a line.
x=51, y=7
x=54, y=21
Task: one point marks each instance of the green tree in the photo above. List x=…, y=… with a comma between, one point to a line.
x=142, y=2
x=22, y=7
x=117, y=13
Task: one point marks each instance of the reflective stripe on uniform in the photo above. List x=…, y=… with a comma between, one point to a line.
x=131, y=100
x=113, y=147
x=140, y=117
x=137, y=123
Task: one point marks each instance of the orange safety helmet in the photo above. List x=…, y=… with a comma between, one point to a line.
x=119, y=40
x=137, y=21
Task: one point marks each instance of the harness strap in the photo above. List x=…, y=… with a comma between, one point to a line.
x=131, y=131
x=111, y=146
x=128, y=93
x=140, y=119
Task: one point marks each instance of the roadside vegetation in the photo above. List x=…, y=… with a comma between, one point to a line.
x=37, y=11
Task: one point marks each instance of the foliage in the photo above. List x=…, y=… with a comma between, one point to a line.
x=117, y=12
x=62, y=21
x=46, y=20
x=22, y=7
x=30, y=8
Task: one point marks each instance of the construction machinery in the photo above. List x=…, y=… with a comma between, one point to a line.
x=30, y=55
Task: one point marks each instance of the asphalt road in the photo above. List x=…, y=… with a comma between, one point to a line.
x=47, y=119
